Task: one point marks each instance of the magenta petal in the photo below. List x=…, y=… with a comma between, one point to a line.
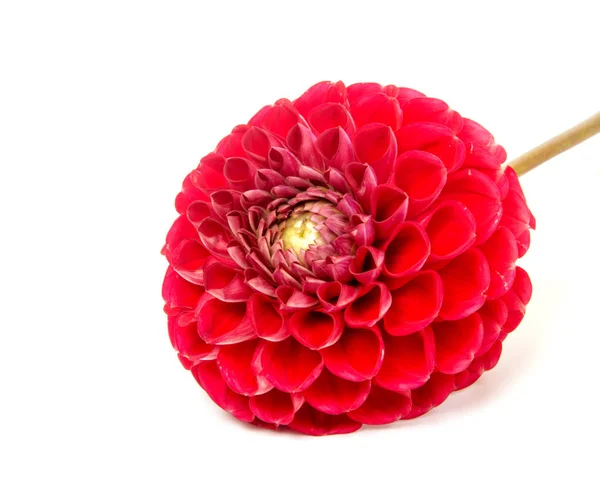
x=415, y=304
x=389, y=206
x=377, y=108
x=457, y=343
x=375, y=145
x=288, y=365
x=187, y=260
x=333, y=395
x=303, y=143
x=240, y=173
x=382, y=406
x=408, y=362
x=494, y=315
x=235, y=365
x=293, y=299
x=450, y=227
x=336, y=147
x=335, y=295
x=215, y=238
x=316, y=330
x=225, y=283
x=480, y=195
x=362, y=180
x=178, y=292
x=222, y=323
x=183, y=333
x=406, y=251
x=266, y=319
x=231, y=145
x=357, y=355
x=209, y=177
x=372, y=304
x=283, y=161
x=257, y=143
x=312, y=422
x=276, y=407
x=181, y=229
x=278, y=118
x=322, y=92
x=422, y=176
x=425, y=109
x=501, y=253
x=367, y=264
x=208, y=376
x=466, y=279
x=357, y=91
x=198, y=211
x=330, y=115
x=433, y=393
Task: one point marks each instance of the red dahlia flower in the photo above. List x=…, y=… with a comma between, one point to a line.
x=346, y=258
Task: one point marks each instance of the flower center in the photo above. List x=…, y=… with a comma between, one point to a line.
x=299, y=232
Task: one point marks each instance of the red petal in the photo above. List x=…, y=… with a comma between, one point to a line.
x=257, y=143
x=187, y=260
x=231, y=145
x=422, y=176
x=316, y=330
x=208, y=376
x=330, y=115
x=415, y=304
x=466, y=279
x=240, y=173
x=516, y=299
x=303, y=143
x=312, y=422
x=381, y=407
x=357, y=91
x=278, y=118
x=472, y=132
x=362, y=180
x=183, y=333
x=372, y=304
x=196, y=212
x=322, y=92
x=375, y=145
x=451, y=230
x=215, y=238
x=425, y=109
x=486, y=362
x=336, y=147
x=181, y=230
x=333, y=395
x=283, y=161
x=288, y=365
x=406, y=251
x=225, y=283
x=209, y=177
x=293, y=299
x=517, y=216
x=403, y=95
x=334, y=295
x=493, y=316
x=222, y=323
x=408, y=361
x=501, y=253
x=457, y=343
x=389, y=206
x=178, y=292
x=235, y=364
x=266, y=319
x=433, y=393
x=356, y=356
x=480, y=195
x=276, y=407
x=367, y=264
x=377, y=108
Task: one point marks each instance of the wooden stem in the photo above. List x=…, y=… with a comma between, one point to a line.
x=563, y=141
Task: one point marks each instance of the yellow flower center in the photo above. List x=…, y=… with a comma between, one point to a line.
x=298, y=232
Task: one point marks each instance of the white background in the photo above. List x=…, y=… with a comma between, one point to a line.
x=106, y=106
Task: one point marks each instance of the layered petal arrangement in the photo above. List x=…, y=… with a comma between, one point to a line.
x=347, y=258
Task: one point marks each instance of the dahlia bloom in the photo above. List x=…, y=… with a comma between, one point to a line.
x=347, y=258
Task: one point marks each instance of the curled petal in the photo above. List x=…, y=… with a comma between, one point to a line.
x=516, y=214
x=406, y=251
x=283, y=161
x=316, y=330
x=375, y=145
x=466, y=279
x=361, y=228
x=178, y=292
x=493, y=316
x=486, y=162
x=362, y=180
x=357, y=91
x=382, y=406
x=422, y=176
x=377, y=108
x=288, y=365
x=335, y=295
x=322, y=92
x=472, y=132
x=425, y=109
x=235, y=365
x=330, y=115
x=293, y=299
x=367, y=264
x=188, y=259
x=259, y=283
x=480, y=195
x=389, y=206
x=189, y=194
x=231, y=145
x=266, y=319
x=312, y=422
x=225, y=201
x=433, y=393
x=225, y=283
x=196, y=212
x=337, y=180
x=341, y=358
x=266, y=179
x=479, y=366
x=208, y=376
x=222, y=323
x=215, y=237
x=303, y=143
x=183, y=333
x=516, y=299
x=408, y=361
x=457, y=343
x=180, y=230
x=415, y=304
x=240, y=173
x=333, y=395
x=450, y=227
x=501, y=253
x=404, y=94
x=255, y=198
x=278, y=118
x=276, y=407
x=372, y=304
x=209, y=177
x=257, y=143
x=336, y=147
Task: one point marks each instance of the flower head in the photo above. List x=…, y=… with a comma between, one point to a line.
x=345, y=259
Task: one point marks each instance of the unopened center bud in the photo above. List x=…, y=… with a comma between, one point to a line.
x=299, y=232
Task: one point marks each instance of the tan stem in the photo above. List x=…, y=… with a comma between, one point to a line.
x=563, y=141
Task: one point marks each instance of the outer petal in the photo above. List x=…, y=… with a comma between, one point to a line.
x=408, y=361
x=188, y=259
x=389, y=206
x=377, y=108
x=257, y=143
x=208, y=376
x=357, y=355
x=336, y=147
x=367, y=264
x=276, y=407
x=333, y=395
x=178, y=292
x=457, y=343
x=312, y=422
x=479, y=366
x=381, y=407
x=406, y=251
x=493, y=316
x=375, y=145
x=235, y=365
x=426, y=109
x=266, y=319
x=322, y=92
x=433, y=393
x=501, y=253
x=330, y=115
x=183, y=333
x=288, y=365
x=315, y=329
x=222, y=323
x=225, y=283
x=372, y=304
x=516, y=299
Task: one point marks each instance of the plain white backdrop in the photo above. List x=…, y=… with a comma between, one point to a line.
x=106, y=106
